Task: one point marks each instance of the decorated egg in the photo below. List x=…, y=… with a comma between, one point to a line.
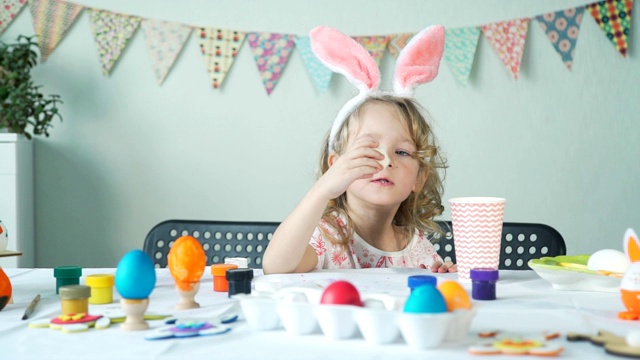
x=5, y=289
x=187, y=261
x=455, y=296
x=608, y=260
x=425, y=299
x=341, y=293
x=135, y=275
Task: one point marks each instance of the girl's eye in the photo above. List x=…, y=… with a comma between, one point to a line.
x=402, y=153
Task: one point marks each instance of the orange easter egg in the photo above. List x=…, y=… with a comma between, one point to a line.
x=454, y=295
x=5, y=289
x=186, y=261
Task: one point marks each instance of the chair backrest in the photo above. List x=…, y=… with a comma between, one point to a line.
x=521, y=242
x=220, y=239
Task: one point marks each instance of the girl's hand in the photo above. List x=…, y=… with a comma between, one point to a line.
x=359, y=161
x=447, y=266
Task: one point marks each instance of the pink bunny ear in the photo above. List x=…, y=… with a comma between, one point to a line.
x=418, y=62
x=631, y=245
x=341, y=54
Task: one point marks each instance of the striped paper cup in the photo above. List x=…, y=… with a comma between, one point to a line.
x=477, y=232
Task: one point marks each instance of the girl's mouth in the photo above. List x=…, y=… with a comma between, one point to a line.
x=383, y=181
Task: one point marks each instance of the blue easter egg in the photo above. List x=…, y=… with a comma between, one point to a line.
x=135, y=276
x=425, y=299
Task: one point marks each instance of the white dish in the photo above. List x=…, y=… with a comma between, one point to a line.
x=568, y=279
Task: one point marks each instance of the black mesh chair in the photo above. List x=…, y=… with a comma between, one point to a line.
x=521, y=242
x=220, y=239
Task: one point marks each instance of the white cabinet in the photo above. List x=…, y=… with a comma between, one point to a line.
x=16, y=198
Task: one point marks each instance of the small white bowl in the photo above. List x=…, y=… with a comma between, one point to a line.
x=260, y=312
x=459, y=325
x=337, y=321
x=424, y=331
x=378, y=326
x=298, y=318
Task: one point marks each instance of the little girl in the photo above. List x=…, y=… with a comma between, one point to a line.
x=379, y=188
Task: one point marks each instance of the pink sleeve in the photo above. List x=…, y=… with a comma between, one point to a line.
x=320, y=246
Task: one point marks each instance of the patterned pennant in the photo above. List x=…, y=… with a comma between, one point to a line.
x=614, y=18
x=562, y=28
x=165, y=41
x=51, y=20
x=375, y=45
x=219, y=48
x=320, y=74
x=397, y=42
x=111, y=32
x=507, y=39
x=460, y=50
x=9, y=10
x=271, y=52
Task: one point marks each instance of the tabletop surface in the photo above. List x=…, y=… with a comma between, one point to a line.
x=526, y=304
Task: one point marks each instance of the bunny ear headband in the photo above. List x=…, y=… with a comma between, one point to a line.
x=417, y=64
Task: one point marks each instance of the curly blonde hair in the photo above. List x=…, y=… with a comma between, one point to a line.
x=419, y=209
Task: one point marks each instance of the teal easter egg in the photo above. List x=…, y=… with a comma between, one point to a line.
x=425, y=299
x=135, y=275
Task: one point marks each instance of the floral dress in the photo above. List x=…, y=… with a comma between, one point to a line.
x=359, y=254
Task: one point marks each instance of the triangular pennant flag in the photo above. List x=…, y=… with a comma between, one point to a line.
x=165, y=41
x=562, y=29
x=271, y=52
x=460, y=50
x=51, y=20
x=219, y=48
x=111, y=31
x=614, y=18
x=320, y=74
x=375, y=45
x=507, y=39
x=9, y=10
x=397, y=42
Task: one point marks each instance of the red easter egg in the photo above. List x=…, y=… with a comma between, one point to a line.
x=5, y=289
x=341, y=293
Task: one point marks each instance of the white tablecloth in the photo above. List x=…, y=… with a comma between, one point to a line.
x=525, y=304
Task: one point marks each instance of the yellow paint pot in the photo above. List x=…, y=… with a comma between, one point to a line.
x=101, y=288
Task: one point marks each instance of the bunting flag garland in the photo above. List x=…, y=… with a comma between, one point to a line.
x=397, y=42
x=320, y=74
x=165, y=41
x=271, y=52
x=51, y=20
x=460, y=50
x=614, y=18
x=507, y=39
x=562, y=29
x=8, y=11
x=375, y=45
x=111, y=31
x=219, y=48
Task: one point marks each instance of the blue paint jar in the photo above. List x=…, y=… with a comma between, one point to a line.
x=483, y=283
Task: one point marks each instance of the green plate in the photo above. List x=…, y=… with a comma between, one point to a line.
x=569, y=272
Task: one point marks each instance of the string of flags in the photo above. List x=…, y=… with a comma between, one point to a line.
x=219, y=47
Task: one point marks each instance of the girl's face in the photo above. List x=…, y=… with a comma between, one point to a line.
x=382, y=123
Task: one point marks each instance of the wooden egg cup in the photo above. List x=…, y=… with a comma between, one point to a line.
x=134, y=310
x=187, y=297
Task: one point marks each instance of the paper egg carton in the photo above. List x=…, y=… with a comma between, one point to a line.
x=380, y=321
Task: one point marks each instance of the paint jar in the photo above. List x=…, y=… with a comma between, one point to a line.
x=101, y=288
x=75, y=299
x=420, y=280
x=219, y=272
x=483, y=283
x=67, y=275
x=239, y=281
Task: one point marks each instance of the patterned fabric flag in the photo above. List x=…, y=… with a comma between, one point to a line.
x=219, y=48
x=320, y=74
x=507, y=39
x=165, y=41
x=460, y=50
x=271, y=52
x=51, y=20
x=614, y=18
x=375, y=45
x=562, y=28
x=397, y=42
x=111, y=32
x=9, y=10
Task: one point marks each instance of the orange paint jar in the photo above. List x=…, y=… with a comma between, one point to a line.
x=219, y=272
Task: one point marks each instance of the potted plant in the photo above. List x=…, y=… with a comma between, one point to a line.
x=23, y=108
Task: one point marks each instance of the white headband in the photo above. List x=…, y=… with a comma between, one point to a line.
x=417, y=64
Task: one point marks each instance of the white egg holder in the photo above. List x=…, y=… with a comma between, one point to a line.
x=380, y=321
